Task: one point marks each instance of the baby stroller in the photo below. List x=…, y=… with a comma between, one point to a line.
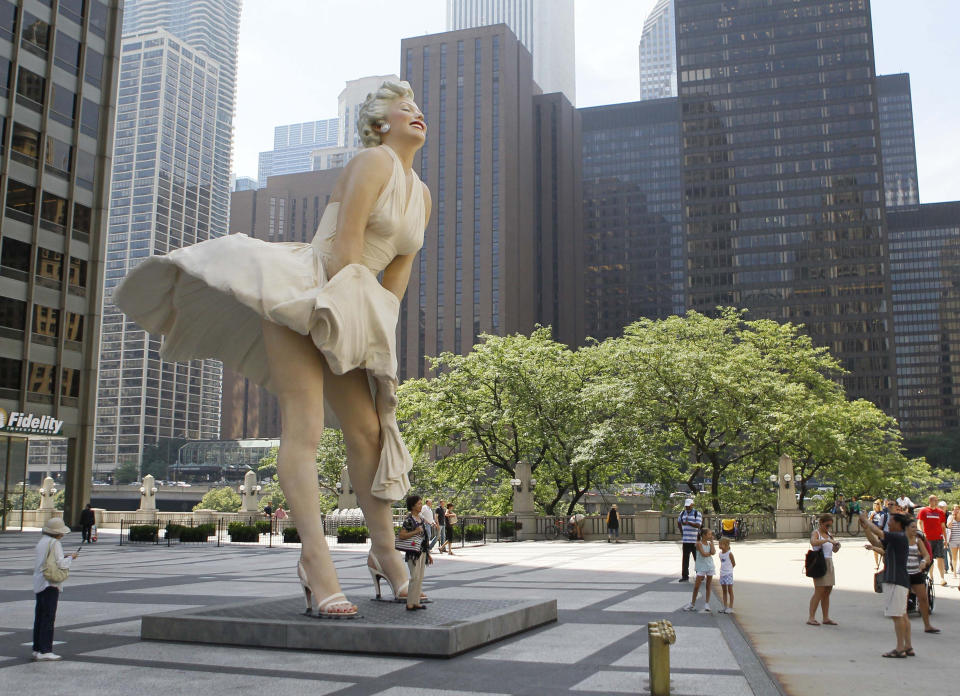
x=731, y=529
x=912, y=598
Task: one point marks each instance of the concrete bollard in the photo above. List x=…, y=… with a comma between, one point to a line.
x=660, y=636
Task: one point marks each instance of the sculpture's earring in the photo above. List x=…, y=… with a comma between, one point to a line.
x=385, y=128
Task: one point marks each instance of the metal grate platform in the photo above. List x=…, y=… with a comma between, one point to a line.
x=446, y=628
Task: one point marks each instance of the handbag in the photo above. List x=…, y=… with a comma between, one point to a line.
x=51, y=571
x=412, y=544
x=878, y=581
x=815, y=565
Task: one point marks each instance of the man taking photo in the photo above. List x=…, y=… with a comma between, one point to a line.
x=896, y=580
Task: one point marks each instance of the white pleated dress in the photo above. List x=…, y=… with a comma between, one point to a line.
x=208, y=301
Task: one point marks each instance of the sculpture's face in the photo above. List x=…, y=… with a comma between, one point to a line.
x=406, y=121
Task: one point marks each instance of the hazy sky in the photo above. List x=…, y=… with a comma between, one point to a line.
x=295, y=56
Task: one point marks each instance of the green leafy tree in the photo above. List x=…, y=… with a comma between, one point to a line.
x=158, y=457
x=127, y=472
x=17, y=500
x=331, y=458
x=221, y=499
x=513, y=398
x=714, y=395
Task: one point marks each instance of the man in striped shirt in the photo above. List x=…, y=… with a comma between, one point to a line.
x=689, y=523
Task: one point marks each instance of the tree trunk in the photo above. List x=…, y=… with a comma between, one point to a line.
x=715, y=484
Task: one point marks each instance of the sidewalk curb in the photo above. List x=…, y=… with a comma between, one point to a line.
x=761, y=681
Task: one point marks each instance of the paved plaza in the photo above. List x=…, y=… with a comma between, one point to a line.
x=605, y=593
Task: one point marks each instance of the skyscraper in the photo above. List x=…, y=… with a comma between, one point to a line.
x=545, y=28
x=658, y=53
x=211, y=27
x=293, y=146
x=925, y=274
x=170, y=189
x=783, y=192
x=898, y=145
x=632, y=214
x=58, y=81
x=501, y=164
x=347, y=143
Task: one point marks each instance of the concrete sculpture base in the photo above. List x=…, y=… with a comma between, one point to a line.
x=448, y=627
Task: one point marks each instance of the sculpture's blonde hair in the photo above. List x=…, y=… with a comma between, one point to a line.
x=373, y=111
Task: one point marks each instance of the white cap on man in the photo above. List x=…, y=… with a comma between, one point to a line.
x=942, y=503
x=688, y=502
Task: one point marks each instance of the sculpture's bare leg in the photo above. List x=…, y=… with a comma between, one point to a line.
x=296, y=377
x=349, y=396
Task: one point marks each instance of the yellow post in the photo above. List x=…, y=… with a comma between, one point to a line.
x=660, y=636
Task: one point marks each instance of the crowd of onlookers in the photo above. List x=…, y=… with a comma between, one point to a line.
x=911, y=546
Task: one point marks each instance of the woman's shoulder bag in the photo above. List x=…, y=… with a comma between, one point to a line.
x=815, y=564
x=51, y=571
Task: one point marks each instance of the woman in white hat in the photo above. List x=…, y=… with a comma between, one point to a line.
x=48, y=589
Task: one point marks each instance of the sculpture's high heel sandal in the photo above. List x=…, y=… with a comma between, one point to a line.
x=399, y=593
x=376, y=572
x=325, y=608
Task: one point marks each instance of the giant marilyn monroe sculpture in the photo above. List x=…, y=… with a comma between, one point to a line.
x=311, y=323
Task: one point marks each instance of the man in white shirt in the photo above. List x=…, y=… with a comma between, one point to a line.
x=427, y=514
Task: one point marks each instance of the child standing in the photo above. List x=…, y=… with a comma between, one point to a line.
x=727, y=564
x=705, y=570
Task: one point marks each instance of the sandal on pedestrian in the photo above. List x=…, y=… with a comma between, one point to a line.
x=830, y=622
x=895, y=653
x=931, y=630
x=813, y=622
x=909, y=652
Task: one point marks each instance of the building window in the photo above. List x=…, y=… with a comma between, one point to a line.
x=58, y=155
x=74, y=327
x=25, y=145
x=8, y=19
x=15, y=255
x=86, y=169
x=63, y=107
x=53, y=213
x=11, y=372
x=72, y=9
x=93, y=67
x=98, y=18
x=81, y=219
x=46, y=321
x=41, y=379
x=49, y=265
x=5, y=66
x=21, y=201
x=90, y=118
x=36, y=35
x=30, y=89
x=66, y=53
x=78, y=273
x=13, y=313
x=70, y=382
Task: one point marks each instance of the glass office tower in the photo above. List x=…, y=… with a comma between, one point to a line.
x=632, y=214
x=658, y=53
x=58, y=80
x=925, y=273
x=162, y=199
x=293, y=146
x=900, y=180
x=783, y=190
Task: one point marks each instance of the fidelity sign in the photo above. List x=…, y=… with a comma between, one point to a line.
x=18, y=422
